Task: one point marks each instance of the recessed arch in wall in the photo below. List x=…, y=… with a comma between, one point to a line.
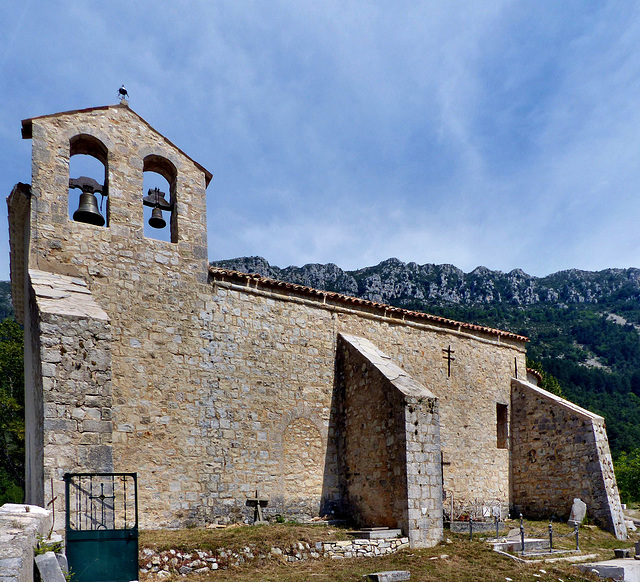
x=296, y=428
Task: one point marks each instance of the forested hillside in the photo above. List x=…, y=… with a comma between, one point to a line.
x=583, y=326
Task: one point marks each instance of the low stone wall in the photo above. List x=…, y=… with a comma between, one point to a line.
x=363, y=548
x=20, y=526
x=164, y=564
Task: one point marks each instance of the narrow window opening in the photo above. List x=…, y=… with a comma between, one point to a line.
x=502, y=425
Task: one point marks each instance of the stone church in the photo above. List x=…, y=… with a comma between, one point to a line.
x=213, y=385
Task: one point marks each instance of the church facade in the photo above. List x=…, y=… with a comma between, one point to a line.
x=216, y=386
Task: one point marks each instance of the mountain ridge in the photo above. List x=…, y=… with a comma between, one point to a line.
x=393, y=281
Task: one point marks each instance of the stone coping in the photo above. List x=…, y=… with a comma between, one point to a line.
x=64, y=295
x=388, y=368
x=27, y=128
x=558, y=400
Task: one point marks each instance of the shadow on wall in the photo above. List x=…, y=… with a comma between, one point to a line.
x=331, y=504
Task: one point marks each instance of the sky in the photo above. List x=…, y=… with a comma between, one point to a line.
x=504, y=134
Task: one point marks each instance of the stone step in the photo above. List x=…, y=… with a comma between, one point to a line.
x=376, y=533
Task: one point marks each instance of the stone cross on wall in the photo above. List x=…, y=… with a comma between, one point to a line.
x=448, y=355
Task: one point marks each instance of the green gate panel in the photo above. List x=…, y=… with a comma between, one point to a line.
x=102, y=526
x=103, y=555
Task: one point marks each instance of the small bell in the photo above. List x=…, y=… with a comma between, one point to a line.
x=156, y=220
x=88, y=210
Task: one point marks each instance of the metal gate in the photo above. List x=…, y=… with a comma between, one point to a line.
x=102, y=526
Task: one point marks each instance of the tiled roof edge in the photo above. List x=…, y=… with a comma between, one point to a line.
x=302, y=290
x=535, y=373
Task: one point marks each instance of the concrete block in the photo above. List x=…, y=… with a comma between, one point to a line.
x=63, y=562
x=49, y=568
x=389, y=576
x=619, y=569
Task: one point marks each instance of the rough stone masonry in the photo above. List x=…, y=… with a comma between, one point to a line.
x=212, y=384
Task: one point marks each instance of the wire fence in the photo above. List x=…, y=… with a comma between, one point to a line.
x=559, y=539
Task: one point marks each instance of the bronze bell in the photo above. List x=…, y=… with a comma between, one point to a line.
x=88, y=210
x=156, y=220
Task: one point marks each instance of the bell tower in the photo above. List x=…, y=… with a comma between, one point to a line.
x=107, y=310
x=105, y=232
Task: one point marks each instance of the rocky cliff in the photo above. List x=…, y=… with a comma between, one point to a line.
x=398, y=283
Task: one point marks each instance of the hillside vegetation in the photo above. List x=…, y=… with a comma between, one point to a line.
x=6, y=309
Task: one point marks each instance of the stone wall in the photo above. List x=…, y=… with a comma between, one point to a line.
x=211, y=412
x=560, y=451
x=20, y=527
x=278, y=350
x=390, y=450
x=162, y=564
x=34, y=404
x=223, y=386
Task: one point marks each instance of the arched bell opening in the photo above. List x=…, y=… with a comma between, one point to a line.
x=158, y=199
x=88, y=181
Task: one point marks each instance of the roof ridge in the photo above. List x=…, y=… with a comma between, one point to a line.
x=275, y=283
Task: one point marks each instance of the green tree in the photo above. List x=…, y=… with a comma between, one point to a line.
x=11, y=412
x=549, y=382
x=627, y=469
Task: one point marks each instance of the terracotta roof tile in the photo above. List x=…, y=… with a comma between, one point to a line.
x=257, y=281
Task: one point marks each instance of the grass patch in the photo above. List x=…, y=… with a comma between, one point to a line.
x=264, y=537
x=456, y=559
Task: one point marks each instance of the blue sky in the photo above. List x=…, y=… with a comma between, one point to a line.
x=503, y=134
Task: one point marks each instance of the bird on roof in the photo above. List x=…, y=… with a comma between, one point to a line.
x=122, y=93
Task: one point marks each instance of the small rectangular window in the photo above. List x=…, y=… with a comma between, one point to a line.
x=502, y=425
